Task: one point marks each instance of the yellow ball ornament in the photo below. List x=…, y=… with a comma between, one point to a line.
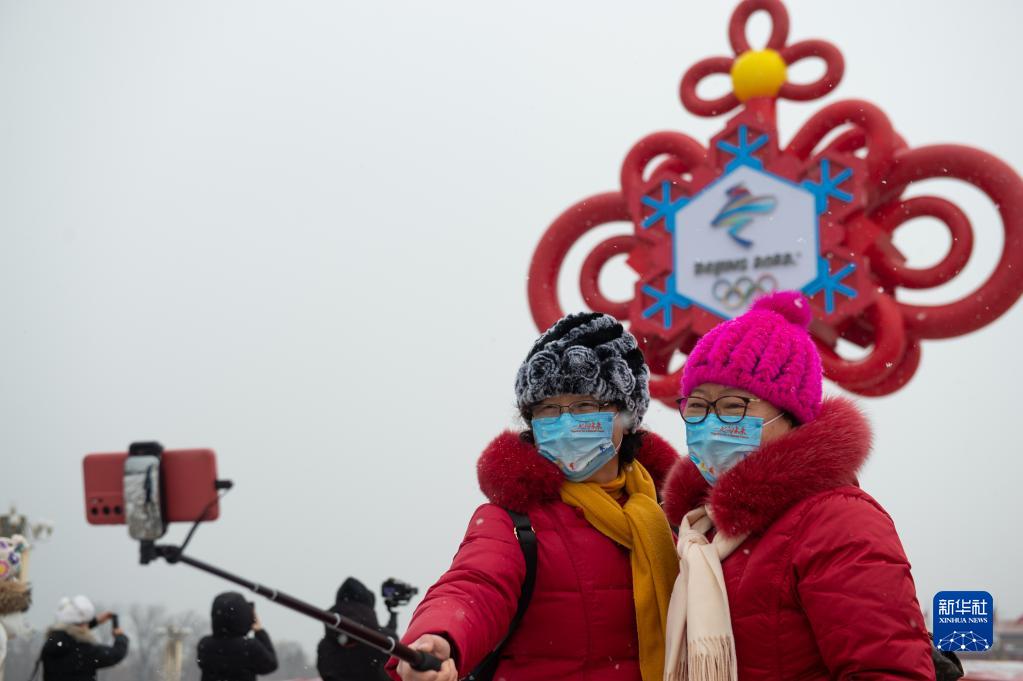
x=758, y=73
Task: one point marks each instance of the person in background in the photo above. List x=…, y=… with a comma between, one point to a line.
x=788, y=569
x=341, y=659
x=586, y=475
x=71, y=651
x=15, y=593
x=229, y=654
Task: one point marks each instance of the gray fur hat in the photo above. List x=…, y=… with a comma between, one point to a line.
x=586, y=354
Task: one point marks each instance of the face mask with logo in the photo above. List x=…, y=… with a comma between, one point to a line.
x=578, y=447
x=716, y=446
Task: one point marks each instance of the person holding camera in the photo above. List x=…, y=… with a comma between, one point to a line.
x=581, y=481
x=339, y=658
x=229, y=654
x=71, y=651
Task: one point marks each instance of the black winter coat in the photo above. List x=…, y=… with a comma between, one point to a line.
x=352, y=661
x=229, y=654
x=66, y=657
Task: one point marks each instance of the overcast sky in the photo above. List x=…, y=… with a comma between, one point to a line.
x=298, y=233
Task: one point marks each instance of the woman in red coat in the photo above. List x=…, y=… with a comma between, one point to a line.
x=788, y=569
x=586, y=477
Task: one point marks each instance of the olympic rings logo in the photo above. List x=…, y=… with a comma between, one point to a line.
x=737, y=295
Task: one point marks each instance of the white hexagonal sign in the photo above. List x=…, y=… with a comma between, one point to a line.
x=747, y=233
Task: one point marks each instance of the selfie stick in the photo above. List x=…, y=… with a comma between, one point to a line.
x=145, y=522
x=417, y=659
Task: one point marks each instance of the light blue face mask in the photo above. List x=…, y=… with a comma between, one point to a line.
x=578, y=445
x=716, y=446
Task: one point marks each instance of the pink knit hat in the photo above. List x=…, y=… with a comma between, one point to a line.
x=767, y=351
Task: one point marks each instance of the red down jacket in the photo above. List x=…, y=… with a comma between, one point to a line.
x=821, y=589
x=581, y=622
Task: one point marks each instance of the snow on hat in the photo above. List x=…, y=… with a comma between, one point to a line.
x=767, y=351
x=10, y=556
x=75, y=610
x=586, y=353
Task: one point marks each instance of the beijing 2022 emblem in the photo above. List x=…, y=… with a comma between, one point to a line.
x=713, y=227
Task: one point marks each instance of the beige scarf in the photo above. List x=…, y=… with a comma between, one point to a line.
x=700, y=645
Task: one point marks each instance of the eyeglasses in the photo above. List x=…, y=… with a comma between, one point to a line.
x=729, y=408
x=576, y=409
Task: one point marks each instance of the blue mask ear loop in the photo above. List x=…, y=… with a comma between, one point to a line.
x=625, y=431
x=626, y=416
x=767, y=423
x=614, y=422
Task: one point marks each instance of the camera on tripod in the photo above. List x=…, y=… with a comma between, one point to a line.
x=396, y=593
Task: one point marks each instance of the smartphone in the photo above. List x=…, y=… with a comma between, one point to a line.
x=143, y=511
x=188, y=481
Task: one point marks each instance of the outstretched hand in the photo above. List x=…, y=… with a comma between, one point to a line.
x=437, y=646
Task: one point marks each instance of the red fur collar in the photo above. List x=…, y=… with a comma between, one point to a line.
x=512, y=473
x=813, y=458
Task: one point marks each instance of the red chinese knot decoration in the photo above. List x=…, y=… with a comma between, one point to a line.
x=715, y=226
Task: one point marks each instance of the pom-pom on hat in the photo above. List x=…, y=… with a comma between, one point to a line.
x=587, y=353
x=767, y=351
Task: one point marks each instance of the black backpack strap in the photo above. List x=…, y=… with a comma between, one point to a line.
x=484, y=671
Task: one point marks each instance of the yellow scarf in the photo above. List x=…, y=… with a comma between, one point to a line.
x=641, y=527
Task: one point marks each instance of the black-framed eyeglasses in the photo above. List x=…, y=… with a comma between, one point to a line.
x=580, y=408
x=729, y=408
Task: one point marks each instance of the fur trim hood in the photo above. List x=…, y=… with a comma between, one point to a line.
x=817, y=456
x=15, y=596
x=512, y=474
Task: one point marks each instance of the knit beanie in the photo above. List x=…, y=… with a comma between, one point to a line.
x=766, y=351
x=75, y=610
x=587, y=353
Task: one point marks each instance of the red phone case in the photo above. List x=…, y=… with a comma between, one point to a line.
x=189, y=479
